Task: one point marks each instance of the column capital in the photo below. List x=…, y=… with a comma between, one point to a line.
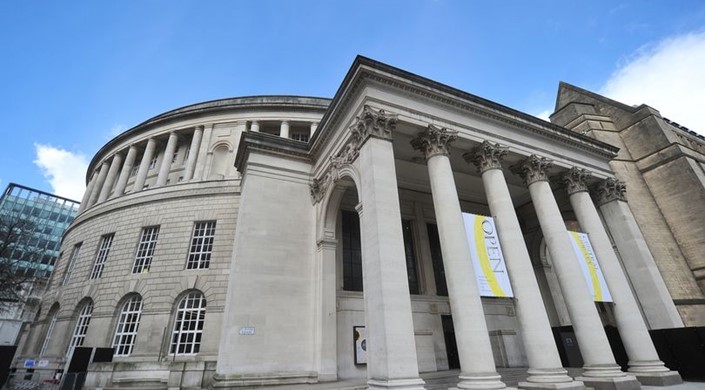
x=575, y=180
x=532, y=169
x=486, y=156
x=434, y=141
x=608, y=190
x=373, y=123
x=199, y=127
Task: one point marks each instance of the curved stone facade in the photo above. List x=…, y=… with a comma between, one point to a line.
x=184, y=160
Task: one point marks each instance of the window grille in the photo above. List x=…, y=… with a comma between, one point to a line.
x=127, y=326
x=72, y=263
x=102, y=256
x=199, y=256
x=79, y=333
x=145, y=250
x=188, y=325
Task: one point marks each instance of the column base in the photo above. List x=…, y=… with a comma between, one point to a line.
x=556, y=378
x=658, y=378
x=572, y=385
x=396, y=384
x=625, y=382
x=233, y=381
x=480, y=382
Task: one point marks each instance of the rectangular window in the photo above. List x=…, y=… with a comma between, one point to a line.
x=352, y=253
x=188, y=150
x=153, y=163
x=102, y=256
x=134, y=170
x=72, y=263
x=145, y=250
x=411, y=271
x=201, y=245
x=439, y=273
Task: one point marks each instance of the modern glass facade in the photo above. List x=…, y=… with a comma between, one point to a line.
x=48, y=216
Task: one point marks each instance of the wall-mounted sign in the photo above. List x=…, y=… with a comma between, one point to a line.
x=29, y=363
x=487, y=258
x=590, y=267
x=43, y=363
x=247, y=331
x=360, y=345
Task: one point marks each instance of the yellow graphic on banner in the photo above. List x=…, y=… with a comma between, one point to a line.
x=485, y=258
x=591, y=266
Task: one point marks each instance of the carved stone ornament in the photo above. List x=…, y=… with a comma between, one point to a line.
x=608, y=190
x=373, y=123
x=486, y=156
x=434, y=141
x=575, y=180
x=532, y=169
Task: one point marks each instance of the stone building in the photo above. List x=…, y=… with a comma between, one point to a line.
x=255, y=240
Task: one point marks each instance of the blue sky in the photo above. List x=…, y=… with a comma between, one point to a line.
x=74, y=74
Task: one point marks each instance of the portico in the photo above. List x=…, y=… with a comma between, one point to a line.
x=394, y=159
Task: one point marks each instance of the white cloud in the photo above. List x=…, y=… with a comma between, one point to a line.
x=64, y=170
x=544, y=115
x=668, y=76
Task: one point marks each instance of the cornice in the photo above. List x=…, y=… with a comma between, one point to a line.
x=366, y=70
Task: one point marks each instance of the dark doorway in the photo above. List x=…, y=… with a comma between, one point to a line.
x=451, y=346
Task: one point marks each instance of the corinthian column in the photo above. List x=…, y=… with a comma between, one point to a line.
x=545, y=368
x=644, y=361
x=474, y=349
x=600, y=369
x=639, y=263
x=392, y=360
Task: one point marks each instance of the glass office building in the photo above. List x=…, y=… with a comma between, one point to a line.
x=48, y=216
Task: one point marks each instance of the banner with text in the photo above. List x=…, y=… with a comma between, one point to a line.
x=487, y=258
x=590, y=267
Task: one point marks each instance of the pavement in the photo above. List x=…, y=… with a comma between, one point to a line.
x=444, y=380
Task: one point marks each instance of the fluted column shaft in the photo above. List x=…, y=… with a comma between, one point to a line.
x=193, y=153
x=110, y=178
x=98, y=184
x=144, y=165
x=594, y=346
x=643, y=357
x=468, y=316
x=125, y=172
x=284, y=130
x=166, y=159
x=545, y=365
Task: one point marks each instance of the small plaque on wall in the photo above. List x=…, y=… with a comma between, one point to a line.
x=360, y=345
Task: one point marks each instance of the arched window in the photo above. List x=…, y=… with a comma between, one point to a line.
x=79, y=333
x=50, y=329
x=127, y=326
x=188, y=325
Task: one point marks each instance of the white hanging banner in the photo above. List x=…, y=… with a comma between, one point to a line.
x=590, y=267
x=487, y=258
